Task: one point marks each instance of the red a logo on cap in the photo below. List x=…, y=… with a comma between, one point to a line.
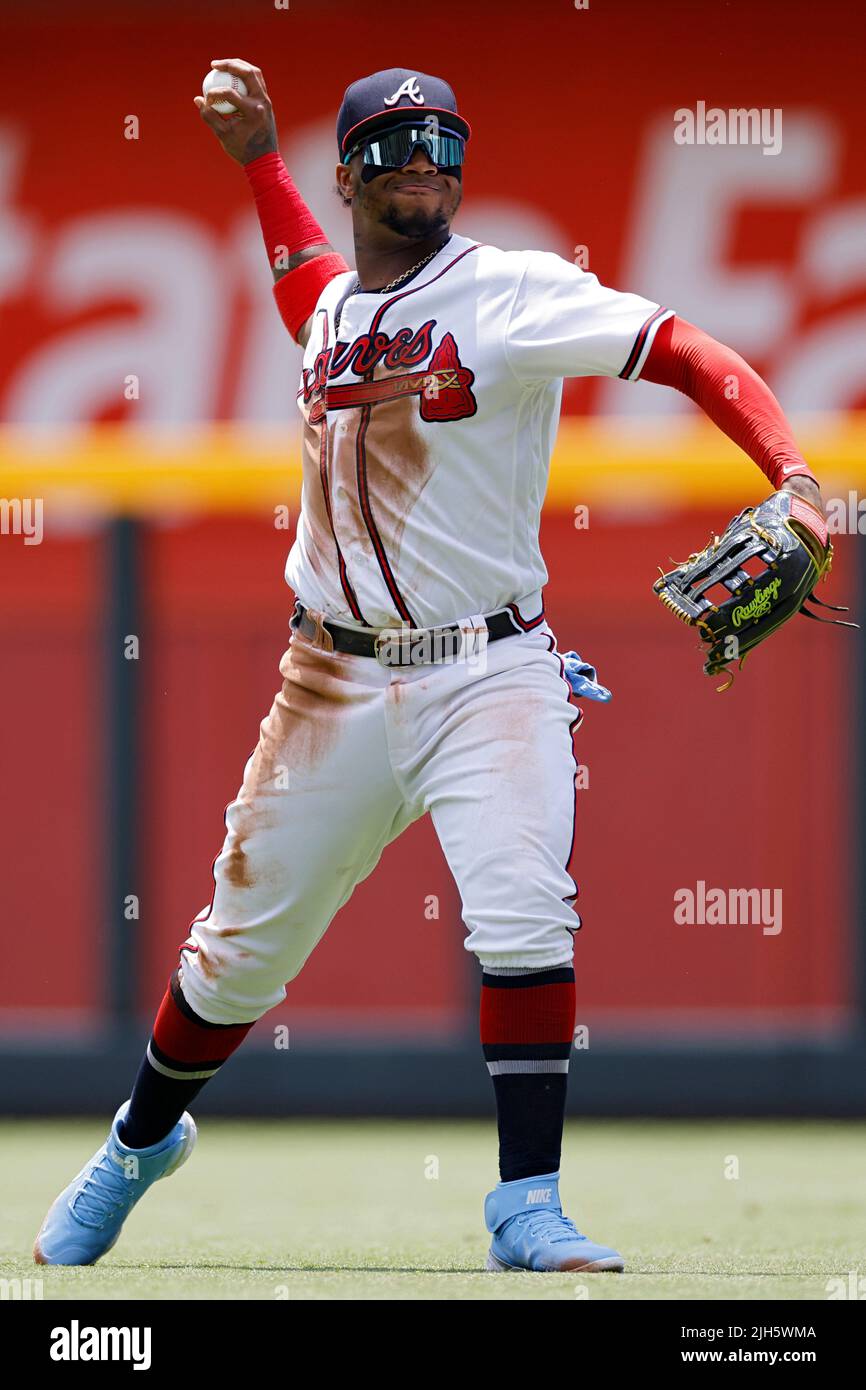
x=409, y=89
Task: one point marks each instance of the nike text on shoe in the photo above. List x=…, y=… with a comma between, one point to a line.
x=530, y=1231
x=86, y=1219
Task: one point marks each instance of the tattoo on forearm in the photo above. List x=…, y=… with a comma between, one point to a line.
x=262, y=142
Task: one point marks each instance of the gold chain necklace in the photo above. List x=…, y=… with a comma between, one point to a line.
x=400, y=278
x=419, y=265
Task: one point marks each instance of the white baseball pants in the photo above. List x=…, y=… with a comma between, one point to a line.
x=350, y=754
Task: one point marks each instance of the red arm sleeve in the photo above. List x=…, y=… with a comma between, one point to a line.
x=727, y=389
x=288, y=228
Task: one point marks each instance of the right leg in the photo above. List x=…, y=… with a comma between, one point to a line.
x=317, y=807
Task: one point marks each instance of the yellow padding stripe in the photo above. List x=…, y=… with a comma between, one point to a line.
x=249, y=469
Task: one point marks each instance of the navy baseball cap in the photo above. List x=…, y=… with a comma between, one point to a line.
x=373, y=102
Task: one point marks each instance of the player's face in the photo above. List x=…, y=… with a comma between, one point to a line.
x=415, y=201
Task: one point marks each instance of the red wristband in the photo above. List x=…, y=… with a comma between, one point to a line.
x=287, y=224
x=297, y=293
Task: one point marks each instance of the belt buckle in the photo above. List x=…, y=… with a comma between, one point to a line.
x=418, y=646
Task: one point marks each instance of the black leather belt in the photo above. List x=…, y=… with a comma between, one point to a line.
x=403, y=646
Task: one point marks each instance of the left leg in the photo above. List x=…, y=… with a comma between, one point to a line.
x=498, y=778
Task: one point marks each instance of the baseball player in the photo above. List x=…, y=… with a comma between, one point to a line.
x=421, y=676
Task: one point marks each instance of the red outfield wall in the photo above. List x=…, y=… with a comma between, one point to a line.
x=142, y=257
x=660, y=812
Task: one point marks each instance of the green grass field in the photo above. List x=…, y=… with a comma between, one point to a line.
x=345, y=1210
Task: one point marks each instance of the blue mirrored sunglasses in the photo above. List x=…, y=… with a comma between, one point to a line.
x=392, y=148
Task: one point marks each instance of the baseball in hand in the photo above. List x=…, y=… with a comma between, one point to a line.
x=216, y=78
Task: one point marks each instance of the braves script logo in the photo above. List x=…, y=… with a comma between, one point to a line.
x=759, y=606
x=444, y=386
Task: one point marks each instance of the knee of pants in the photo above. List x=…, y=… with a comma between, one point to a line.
x=235, y=974
x=220, y=985
x=518, y=910
x=521, y=950
x=263, y=923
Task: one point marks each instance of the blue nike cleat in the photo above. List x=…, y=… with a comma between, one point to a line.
x=86, y=1219
x=530, y=1231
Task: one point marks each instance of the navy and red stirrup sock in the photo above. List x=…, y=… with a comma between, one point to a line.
x=183, y=1053
x=527, y=1027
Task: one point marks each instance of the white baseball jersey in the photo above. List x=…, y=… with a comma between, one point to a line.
x=430, y=415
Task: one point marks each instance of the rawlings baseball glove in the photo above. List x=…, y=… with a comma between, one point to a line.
x=753, y=578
